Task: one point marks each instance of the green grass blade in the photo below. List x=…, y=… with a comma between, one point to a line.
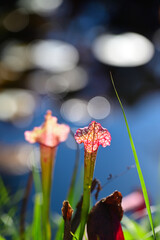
x=36, y=226
x=4, y=197
x=74, y=236
x=37, y=180
x=137, y=163
x=70, y=195
x=59, y=234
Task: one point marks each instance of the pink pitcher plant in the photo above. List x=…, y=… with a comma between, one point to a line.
x=92, y=136
x=49, y=135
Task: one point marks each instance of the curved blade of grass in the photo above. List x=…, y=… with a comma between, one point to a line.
x=144, y=190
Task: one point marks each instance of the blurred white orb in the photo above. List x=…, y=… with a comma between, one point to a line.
x=75, y=110
x=41, y=7
x=53, y=55
x=124, y=50
x=16, y=20
x=69, y=81
x=8, y=107
x=16, y=104
x=98, y=107
x=14, y=57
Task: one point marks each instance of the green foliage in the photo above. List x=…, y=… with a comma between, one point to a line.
x=2, y=238
x=74, y=236
x=8, y=210
x=132, y=230
x=4, y=196
x=59, y=234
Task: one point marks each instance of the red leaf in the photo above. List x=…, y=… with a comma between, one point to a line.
x=104, y=219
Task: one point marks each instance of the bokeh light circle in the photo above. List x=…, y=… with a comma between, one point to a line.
x=75, y=110
x=98, y=107
x=16, y=104
x=53, y=55
x=16, y=20
x=14, y=56
x=40, y=7
x=124, y=50
x=69, y=81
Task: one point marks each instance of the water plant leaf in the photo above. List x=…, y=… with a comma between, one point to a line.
x=144, y=190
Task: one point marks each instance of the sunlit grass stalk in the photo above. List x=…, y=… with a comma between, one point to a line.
x=144, y=190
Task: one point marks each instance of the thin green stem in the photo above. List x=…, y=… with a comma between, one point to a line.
x=89, y=164
x=47, y=163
